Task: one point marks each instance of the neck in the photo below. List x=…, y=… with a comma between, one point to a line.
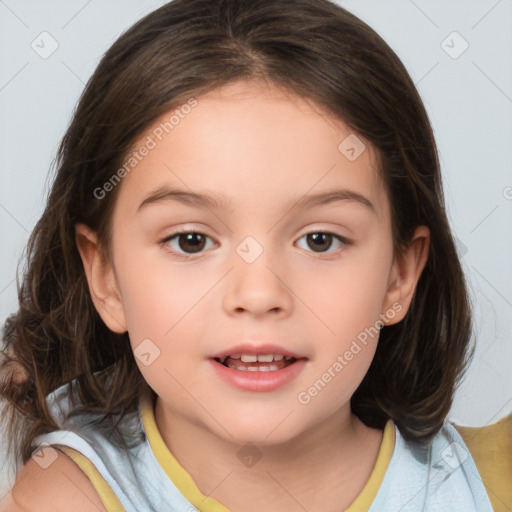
x=326, y=465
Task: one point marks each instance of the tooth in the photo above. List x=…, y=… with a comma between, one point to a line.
x=267, y=358
x=247, y=358
x=278, y=357
x=235, y=356
x=255, y=368
x=241, y=368
x=269, y=368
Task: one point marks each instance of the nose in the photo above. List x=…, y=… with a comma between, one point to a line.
x=259, y=287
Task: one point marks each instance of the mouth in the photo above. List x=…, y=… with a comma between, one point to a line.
x=253, y=363
x=265, y=368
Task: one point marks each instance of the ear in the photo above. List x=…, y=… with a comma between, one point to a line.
x=101, y=279
x=404, y=276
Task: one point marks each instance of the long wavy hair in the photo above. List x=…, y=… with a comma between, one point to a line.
x=313, y=48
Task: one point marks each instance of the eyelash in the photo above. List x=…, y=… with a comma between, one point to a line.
x=176, y=234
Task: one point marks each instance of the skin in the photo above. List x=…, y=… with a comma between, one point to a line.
x=264, y=149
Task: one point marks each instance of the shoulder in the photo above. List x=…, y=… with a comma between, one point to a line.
x=435, y=475
x=61, y=486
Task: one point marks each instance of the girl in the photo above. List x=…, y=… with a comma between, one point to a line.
x=243, y=291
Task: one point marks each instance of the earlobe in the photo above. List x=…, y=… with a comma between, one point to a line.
x=101, y=280
x=406, y=272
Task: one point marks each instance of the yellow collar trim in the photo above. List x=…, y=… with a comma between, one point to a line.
x=186, y=485
x=176, y=473
x=106, y=494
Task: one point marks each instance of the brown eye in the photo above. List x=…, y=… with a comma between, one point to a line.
x=195, y=241
x=321, y=241
x=190, y=242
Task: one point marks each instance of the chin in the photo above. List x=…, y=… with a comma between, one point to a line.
x=268, y=431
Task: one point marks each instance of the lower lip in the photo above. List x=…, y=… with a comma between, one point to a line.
x=258, y=381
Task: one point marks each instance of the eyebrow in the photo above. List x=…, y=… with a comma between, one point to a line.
x=217, y=201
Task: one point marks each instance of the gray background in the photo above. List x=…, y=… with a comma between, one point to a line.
x=468, y=96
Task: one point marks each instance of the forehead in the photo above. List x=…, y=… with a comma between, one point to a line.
x=251, y=142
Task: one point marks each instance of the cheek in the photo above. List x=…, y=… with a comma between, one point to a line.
x=350, y=308
x=164, y=304
x=156, y=293
x=348, y=295
x=159, y=304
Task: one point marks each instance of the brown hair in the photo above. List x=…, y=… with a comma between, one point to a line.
x=313, y=48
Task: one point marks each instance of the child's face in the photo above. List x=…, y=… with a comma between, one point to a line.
x=263, y=151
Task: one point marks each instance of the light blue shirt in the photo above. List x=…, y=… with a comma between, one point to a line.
x=440, y=476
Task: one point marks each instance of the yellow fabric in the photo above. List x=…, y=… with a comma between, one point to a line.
x=183, y=481
x=109, y=499
x=491, y=449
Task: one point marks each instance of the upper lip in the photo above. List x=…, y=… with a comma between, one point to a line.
x=256, y=349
